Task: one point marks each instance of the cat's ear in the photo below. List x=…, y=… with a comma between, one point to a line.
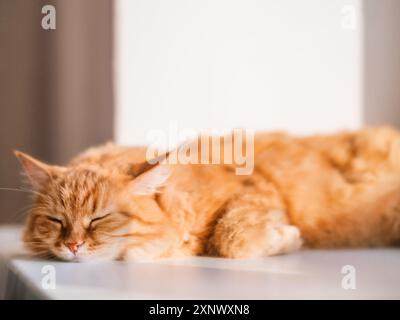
x=37, y=172
x=150, y=181
x=137, y=169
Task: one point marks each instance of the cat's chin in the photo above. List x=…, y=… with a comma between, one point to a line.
x=86, y=259
x=92, y=257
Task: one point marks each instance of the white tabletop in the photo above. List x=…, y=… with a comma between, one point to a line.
x=301, y=275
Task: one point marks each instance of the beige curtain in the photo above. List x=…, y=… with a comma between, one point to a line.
x=381, y=62
x=56, y=94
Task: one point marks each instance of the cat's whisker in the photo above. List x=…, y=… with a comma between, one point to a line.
x=13, y=189
x=22, y=190
x=120, y=235
x=38, y=245
x=44, y=255
x=34, y=241
x=23, y=211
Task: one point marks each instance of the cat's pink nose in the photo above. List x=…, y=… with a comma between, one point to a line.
x=73, y=246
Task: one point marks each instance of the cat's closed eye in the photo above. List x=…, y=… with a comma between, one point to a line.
x=94, y=221
x=55, y=220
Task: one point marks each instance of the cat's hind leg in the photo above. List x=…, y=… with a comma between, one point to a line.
x=250, y=229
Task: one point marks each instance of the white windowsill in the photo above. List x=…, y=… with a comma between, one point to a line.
x=301, y=275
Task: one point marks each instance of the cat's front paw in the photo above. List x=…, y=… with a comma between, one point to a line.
x=281, y=239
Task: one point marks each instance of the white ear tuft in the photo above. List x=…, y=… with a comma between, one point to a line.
x=151, y=181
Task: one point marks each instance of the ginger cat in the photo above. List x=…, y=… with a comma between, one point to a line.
x=323, y=191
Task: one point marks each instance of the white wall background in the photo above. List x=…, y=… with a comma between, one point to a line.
x=277, y=64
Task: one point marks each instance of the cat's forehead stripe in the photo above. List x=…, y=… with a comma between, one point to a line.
x=82, y=191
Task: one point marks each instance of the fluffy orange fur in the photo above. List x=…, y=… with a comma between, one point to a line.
x=323, y=191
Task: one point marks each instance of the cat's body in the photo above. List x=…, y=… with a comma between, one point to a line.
x=339, y=190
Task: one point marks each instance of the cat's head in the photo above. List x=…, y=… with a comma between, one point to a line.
x=86, y=212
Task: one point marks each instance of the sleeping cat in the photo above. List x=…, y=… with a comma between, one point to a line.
x=323, y=191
